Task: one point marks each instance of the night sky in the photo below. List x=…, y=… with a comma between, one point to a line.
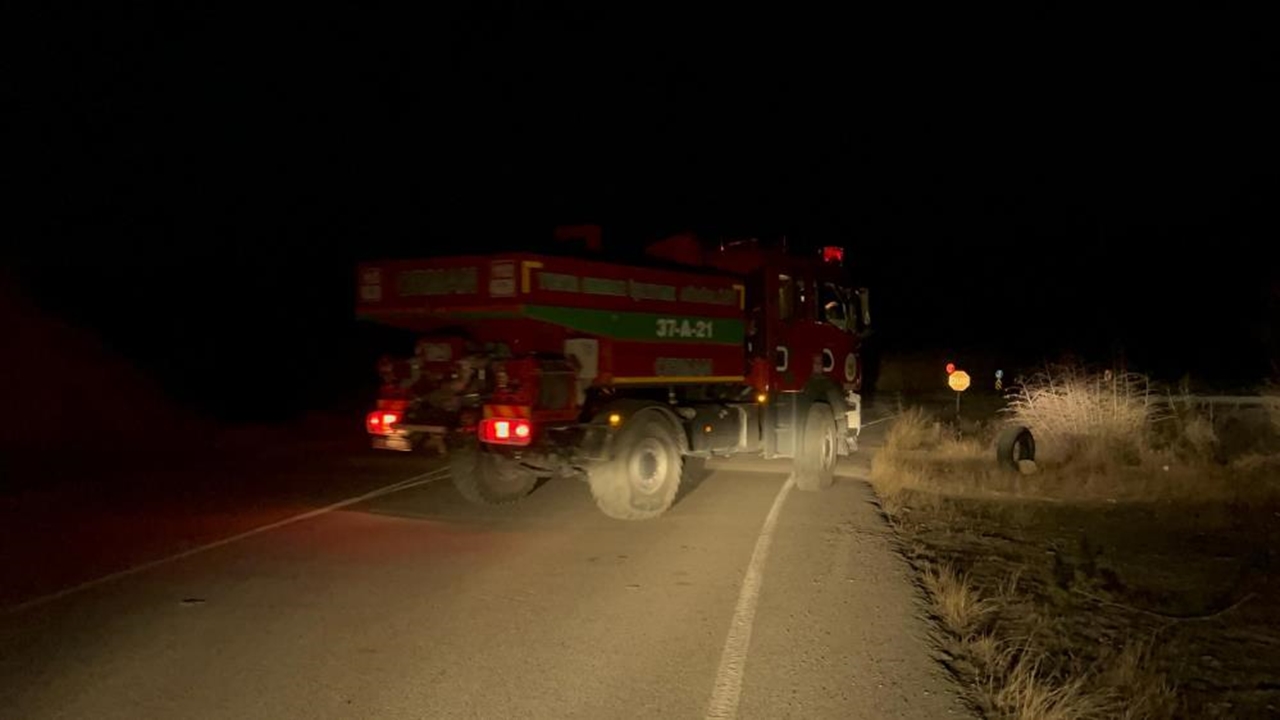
x=205, y=178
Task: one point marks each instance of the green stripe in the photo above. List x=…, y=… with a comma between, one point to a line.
x=605, y=323
x=642, y=326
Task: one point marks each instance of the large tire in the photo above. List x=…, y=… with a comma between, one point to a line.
x=642, y=479
x=1015, y=444
x=815, y=464
x=486, y=477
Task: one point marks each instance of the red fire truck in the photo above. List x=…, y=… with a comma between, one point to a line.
x=533, y=365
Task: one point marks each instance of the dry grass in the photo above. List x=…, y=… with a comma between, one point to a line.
x=985, y=650
x=1071, y=410
x=1145, y=693
x=1198, y=435
x=891, y=481
x=1103, y=422
x=891, y=474
x=913, y=443
x=1102, y=428
x=1014, y=680
x=1023, y=692
x=912, y=430
x=957, y=605
x=920, y=458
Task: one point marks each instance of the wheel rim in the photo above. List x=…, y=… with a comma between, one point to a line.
x=648, y=465
x=828, y=449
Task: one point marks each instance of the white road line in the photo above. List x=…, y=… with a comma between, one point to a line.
x=733, y=661
x=415, y=481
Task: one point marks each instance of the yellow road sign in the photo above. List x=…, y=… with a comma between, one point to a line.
x=958, y=380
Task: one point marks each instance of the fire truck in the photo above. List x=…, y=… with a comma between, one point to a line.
x=530, y=366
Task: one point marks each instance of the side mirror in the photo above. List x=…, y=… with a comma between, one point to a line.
x=864, y=303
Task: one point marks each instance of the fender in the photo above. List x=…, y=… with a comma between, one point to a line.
x=597, y=443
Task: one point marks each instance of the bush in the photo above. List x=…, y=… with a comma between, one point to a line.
x=1076, y=413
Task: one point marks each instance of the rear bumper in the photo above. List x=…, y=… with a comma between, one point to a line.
x=401, y=443
x=404, y=437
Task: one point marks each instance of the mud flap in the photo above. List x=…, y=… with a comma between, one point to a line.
x=853, y=421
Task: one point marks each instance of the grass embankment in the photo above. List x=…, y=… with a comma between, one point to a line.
x=1128, y=576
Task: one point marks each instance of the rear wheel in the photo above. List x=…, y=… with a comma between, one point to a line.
x=488, y=477
x=642, y=479
x=815, y=464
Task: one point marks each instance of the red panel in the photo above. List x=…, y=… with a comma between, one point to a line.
x=683, y=360
x=420, y=294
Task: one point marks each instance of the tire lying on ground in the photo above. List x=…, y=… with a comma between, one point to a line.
x=642, y=479
x=489, y=477
x=1014, y=444
x=815, y=463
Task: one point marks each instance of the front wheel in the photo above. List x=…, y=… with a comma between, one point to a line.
x=815, y=463
x=642, y=479
x=488, y=477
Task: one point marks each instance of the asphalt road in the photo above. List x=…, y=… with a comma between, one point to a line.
x=414, y=604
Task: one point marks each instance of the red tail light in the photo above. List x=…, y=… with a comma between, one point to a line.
x=506, y=431
x=379, y=422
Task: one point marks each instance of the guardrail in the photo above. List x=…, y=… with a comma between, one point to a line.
x=1239, y=400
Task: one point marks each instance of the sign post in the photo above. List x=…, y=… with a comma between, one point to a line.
x=957, y=380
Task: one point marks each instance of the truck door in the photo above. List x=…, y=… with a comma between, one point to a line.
x=802, y=337
x=786, y=300
x=838, y=316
